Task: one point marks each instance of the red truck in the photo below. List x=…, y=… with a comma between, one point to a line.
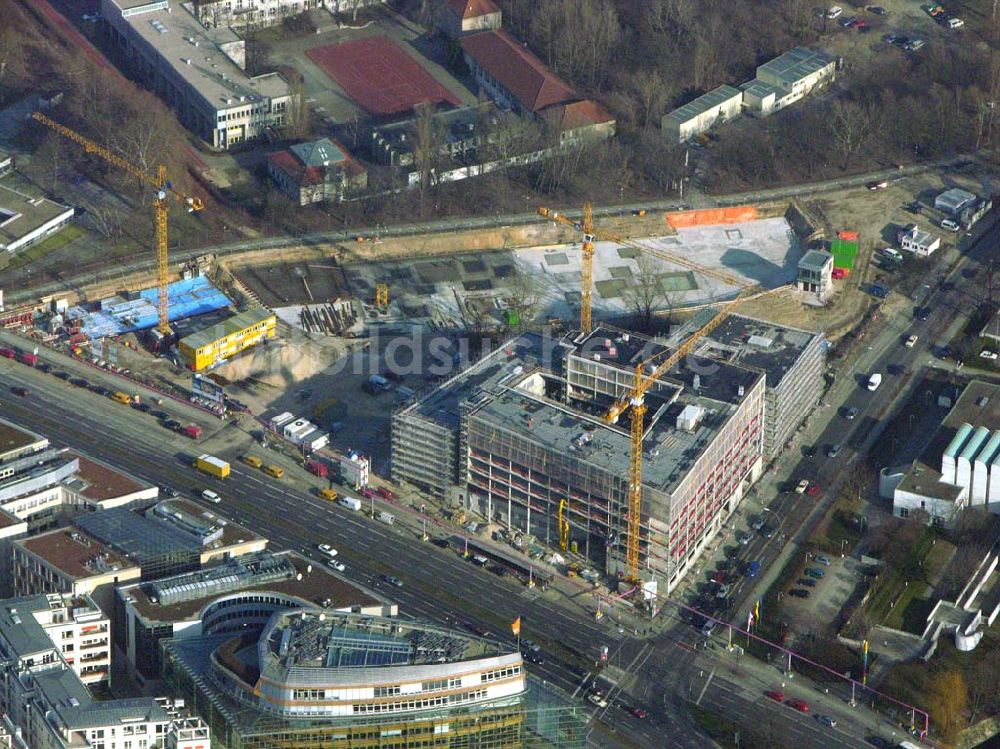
x=8, y=353
x=30, y=359
x=316, y=468
x=191, y=430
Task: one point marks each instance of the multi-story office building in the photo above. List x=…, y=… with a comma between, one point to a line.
x=521, y=433
x=49, y=646
x=238, y=596
x=200, y=71
x=113, y=547
x=316, y=677
x=528, y=436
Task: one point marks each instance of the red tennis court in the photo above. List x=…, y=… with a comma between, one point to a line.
x=379, y=76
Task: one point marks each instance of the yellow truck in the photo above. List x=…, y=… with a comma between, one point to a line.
x=212, y=466
x=122, y=397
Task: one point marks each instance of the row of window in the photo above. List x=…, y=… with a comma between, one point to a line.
x=500, y=673
x=395, y=707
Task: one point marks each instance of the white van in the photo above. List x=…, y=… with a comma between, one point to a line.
x=874, y=381
x=955, y=23
x=210, y=496
x=386, y=517
x=892, y=254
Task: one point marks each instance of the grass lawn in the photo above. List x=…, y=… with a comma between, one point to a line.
x=912, y=604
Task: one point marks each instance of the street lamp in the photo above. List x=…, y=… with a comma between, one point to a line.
x=842, y=542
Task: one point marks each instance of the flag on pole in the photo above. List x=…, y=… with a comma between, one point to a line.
x=515, y=626
x=750, y=619
x=756, y=611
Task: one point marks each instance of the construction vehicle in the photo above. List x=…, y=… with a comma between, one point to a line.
x=382, y=295
x=212, y=466
x=164, y=189
x=648, y=371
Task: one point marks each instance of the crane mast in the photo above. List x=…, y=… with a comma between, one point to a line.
x=164, y=189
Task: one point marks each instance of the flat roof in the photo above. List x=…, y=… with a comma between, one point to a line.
x=139, y=538
x=237, y=576
x=191, y=512
x=759, y=88
x=20, y=629
x=75, y=553
x=796, y=64
x=668, y=451
x=104, y=482
x=14, y=438
x=703, y=103
x=232, y=325
x=20, y=215
x=746, y=341
x=172, y=34
x=815, y=260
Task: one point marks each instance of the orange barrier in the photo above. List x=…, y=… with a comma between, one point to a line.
x=850, y=236
x=710, y=216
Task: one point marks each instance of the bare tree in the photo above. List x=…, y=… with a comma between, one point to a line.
x=108, y=221
x=299, y=114
x=850, y=124
x=426, y=149
x=48, y=161
x=525, y=297
x=645, y=294
x=10, y=54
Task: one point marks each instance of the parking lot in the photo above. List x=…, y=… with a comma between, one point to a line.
x=827, y=593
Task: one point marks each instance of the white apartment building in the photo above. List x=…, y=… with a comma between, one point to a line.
x=786, y=79
x=717, y=106
x=199, y=71
x=49, y=705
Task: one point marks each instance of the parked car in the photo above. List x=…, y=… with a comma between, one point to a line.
x=827, y=720
x=334, y=564
x=987, y=354
x=834, y=451
x=806, y=582
x=799, y=593
x=814, y=490
x=327, y=549
x=835, y=11
x=802, y=486
x=775, y=695
x=598, y=700
x=914, y=44
x=367, y=492
x=385, y=493
x=877, y=184
x=911, y=341
x=848, y=22
x=169, y=491
x=876, y=10
x=758, y=523
x=767, y=531
x=816, y=572
x=637, y=712
x=745, y=537
x=823, y=559
x=752, y=569
x=850, y=413
x=950, y=224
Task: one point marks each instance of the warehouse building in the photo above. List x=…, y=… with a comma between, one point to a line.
x=695, y=117
x=53, y=647
x=960, y=465
x=237, y=596
x=525, y=432
x=786, y=79
x=216, y=344
x=199, y=71
x=953, y=201
x=324, y=678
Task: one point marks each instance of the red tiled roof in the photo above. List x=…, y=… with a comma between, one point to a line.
x=517, y=70
x=473, y=8
x=576, y=114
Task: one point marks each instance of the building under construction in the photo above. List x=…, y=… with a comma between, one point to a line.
x=522, y=432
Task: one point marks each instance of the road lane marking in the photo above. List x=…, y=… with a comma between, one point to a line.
x=705, y=688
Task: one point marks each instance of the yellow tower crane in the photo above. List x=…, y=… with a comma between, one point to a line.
x=647, y=372
x=163, y=189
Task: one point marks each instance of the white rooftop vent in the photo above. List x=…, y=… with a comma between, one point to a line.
x=760, y=341
x=689, y=419
x=696, y=384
